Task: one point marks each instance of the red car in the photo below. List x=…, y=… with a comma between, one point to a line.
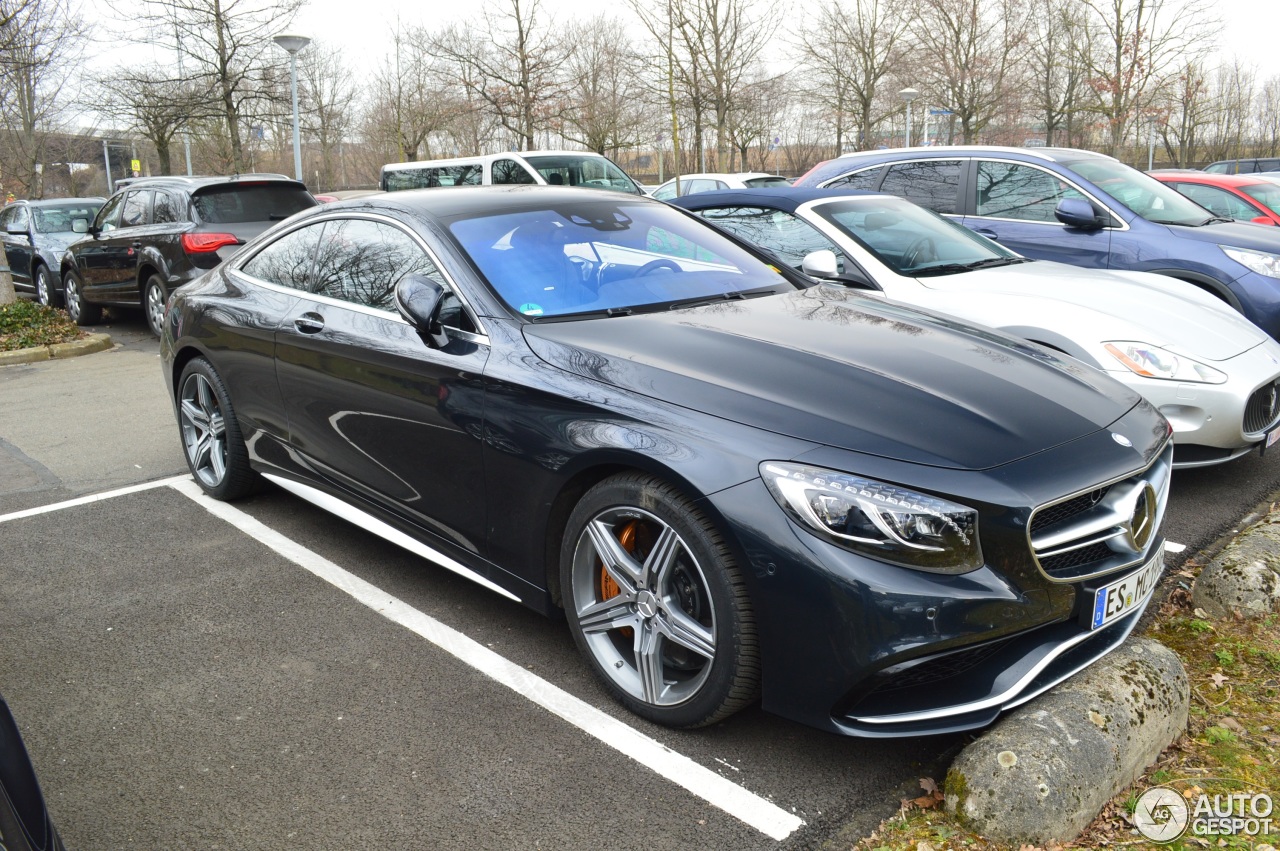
x=1244, y=197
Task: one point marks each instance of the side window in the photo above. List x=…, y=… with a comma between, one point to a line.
x=109, y=215
x=510, y=171
x=164, y=210
x=868, y=178
x=1217, y=201
x=933, y=184
x=701, y=184
x=788, y=237
x=287, y=261
x=665, y=192
x=137, y=209
x=1012, y=191
x=362, y=261
x=6, y=216
x=20, y=217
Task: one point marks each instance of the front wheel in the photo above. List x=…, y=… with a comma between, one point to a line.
x=153, y=299
x=80, y=311
x=657, y=603
x=211, y=438
x=45, y=293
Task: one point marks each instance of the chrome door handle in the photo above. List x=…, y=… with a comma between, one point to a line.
x=309, y=323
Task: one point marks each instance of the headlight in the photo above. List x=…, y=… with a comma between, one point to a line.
x=880, y=520
x=1258, y=261
x=1155, y=362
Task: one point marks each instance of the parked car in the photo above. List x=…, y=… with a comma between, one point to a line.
x=733, y=481
x=1243, y=197
x=1080, y=208
x=691, y=184
x=552, y=168
x=1244, y=166
x=25, y=824
x=35, y=233
x=158, y=233
x=1210, y=371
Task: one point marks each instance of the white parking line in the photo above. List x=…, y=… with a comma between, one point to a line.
x=1171, y=547
x=93, y=497
x=764, y=816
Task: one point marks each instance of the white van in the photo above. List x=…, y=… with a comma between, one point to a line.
x=557, y=168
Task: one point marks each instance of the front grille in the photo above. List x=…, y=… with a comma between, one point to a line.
x=1103, y=529
x=1264, y=405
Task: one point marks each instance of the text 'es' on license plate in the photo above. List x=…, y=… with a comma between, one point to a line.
x=1117, y=599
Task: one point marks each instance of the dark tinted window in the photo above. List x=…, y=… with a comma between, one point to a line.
x=137, y=209
x=784, y=234
x=510, y=171
x=232, y=203
x=1014, y=191
x=288, y=260
x=431, y=177
x=868, y=178
x=110, y=214
x=164, y=210
x=362, y=261
x=931, y=184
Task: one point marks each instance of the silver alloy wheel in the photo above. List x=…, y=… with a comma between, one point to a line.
x=155, y=307
x=644, y=606
x=203, y=430
x=44, y=289
x=71, y=295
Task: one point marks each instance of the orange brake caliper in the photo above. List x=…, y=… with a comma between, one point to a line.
x=608, y=587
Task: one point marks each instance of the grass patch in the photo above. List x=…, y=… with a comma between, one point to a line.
x=25, y=325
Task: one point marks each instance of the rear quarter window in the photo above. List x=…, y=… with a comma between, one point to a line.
x=233, y=204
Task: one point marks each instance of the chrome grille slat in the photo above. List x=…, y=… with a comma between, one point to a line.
x=1263, y=409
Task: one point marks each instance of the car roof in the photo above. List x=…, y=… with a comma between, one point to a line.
x=57, y=202
x=482, y=200
x=1209, y=178
x=184, y=182
x=489, y=158
x=784, y=198
x=1051, y=154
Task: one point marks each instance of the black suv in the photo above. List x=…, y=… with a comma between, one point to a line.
x=158, y=233
x=35, y=233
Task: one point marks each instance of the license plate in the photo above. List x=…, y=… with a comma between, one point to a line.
x=1272, y=437
x=1117, y=599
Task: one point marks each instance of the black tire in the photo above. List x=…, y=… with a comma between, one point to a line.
x=688, y=612
x=211, y=438
x=46, y=293
x=154, y=296
x=80, y=311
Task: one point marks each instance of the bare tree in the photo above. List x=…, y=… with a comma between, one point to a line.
x=155, y=104
x=409, y=98
x=1269, y=116
x=603, y=87
x=756, y=119
x=1058, y=67
x=227, y=46
x=513, y=62
x=1186, y=111
x=974, y=49
x=326, y=96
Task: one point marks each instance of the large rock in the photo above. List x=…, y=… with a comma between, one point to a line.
x=1244, y=579
x=1045, y=771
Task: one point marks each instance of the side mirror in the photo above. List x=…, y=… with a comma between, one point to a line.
x=80, y=225
x=1263, y=220
x=16, y=230
x=1077, y=213
x=820, y=264
x=419, y=299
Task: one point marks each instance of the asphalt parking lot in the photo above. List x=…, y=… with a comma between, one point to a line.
x=194, y=674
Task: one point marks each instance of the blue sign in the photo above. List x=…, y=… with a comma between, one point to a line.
x=941, y=112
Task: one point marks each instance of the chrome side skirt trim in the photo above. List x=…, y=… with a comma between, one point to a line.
x=369, y=523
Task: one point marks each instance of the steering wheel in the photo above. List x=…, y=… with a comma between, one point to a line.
x=661, y=263
x=920, y=250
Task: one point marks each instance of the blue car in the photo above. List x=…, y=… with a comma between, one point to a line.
x=1081, y=208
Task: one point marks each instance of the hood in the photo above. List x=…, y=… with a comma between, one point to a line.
x=833, y=367
x=1092, y=306
x=1235, y=234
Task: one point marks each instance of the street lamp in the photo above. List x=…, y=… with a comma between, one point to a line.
x=1151, y=142
x=292, y=43
x=909, y=95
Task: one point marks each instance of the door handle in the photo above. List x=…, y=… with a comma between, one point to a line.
x=989, y=234
x=137, y=245
x=309, y=323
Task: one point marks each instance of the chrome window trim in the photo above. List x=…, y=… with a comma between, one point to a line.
x=235, y=265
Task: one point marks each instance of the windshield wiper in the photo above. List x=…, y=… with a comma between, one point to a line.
x=954, y=268
x=732, y=295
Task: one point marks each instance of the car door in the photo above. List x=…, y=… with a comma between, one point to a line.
x=108, y=261
x=371, y=406
x=1014, y=203
x=15, y=230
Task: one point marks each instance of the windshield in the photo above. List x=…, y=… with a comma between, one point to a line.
x=610, y=256
x=911, y=240
x=591, y=172
x=1266, y=194
x=59, y=219
x=1142, y=194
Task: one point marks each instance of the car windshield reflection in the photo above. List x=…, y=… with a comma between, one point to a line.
x=911, y=240
x=608, y=257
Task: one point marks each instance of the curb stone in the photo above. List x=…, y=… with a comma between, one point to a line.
x=1243, y=579
x=1045, y=771
x=85, y=346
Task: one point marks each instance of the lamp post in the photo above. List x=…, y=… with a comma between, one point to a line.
x=1151, y=141
x=292, y=43
x=909, y=95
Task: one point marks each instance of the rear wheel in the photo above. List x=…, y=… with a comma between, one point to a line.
x=80, y=311
x=657, y=604
x=153, y=299
x=211, y=438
